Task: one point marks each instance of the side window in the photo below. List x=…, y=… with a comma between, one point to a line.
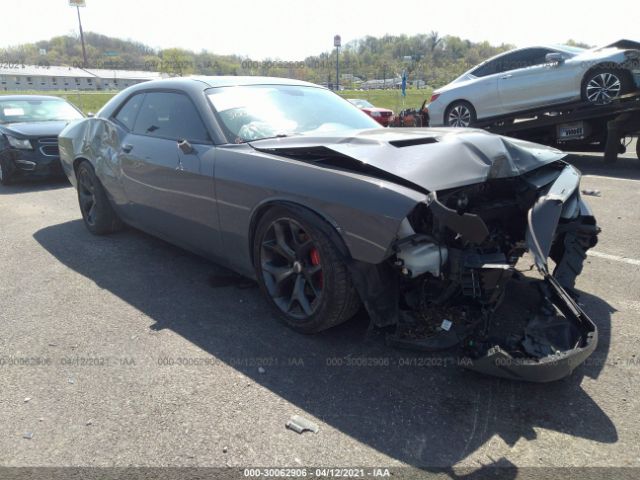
x=528, y=57
x=508, y=62
x=539, y=56
x=488, y=68
x=128, y=112
x=170, y=115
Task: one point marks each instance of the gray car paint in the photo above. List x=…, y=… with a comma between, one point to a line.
x=456, y=158
x=210, y=207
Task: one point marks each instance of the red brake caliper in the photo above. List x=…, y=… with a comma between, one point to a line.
x=315, y=260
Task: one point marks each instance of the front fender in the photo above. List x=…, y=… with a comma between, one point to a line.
x=366, y=212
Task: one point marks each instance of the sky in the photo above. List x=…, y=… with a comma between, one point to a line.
x=292, y=30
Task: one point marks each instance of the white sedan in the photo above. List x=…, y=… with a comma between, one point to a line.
x=534, y=77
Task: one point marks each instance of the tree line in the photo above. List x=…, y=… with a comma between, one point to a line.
x=431, y=58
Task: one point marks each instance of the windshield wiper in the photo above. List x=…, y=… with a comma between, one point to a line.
x=279, y=135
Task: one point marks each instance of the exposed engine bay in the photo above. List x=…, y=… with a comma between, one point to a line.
x=459, y=286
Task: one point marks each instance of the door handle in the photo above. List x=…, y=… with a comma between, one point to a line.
x=505, y=77
x=127, y=147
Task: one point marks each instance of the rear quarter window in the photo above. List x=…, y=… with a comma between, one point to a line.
x=129, y=111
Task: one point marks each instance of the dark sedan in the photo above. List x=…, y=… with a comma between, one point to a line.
x=29, y=128
x=287, y=183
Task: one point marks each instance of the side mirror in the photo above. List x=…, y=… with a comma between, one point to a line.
x=185, y=146
x=555, y=57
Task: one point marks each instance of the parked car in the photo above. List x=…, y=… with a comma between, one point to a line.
x=383, y=116
x=528, y=78
x=29, y=128
x=288, y=184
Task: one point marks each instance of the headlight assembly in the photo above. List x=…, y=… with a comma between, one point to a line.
x=22, y=144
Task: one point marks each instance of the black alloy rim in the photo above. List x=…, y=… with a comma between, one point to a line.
x=86, y=192
x=291, y=268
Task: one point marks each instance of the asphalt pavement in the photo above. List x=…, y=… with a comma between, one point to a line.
x=127, y=351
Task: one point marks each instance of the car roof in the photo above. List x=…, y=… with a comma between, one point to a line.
x=564, y=48
x=29, y=97
x=223, y=81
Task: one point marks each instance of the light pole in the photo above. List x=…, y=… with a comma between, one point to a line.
x=337, y=42
x=78, y=4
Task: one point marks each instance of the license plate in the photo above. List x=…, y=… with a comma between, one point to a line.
x=571, y=131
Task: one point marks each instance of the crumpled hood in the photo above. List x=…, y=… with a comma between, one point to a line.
x=35, y=129
x=429, y=158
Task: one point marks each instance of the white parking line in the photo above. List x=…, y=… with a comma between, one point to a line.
x=602, y=177
x=615, y=258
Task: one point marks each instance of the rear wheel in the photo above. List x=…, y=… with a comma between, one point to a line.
x=460, y=114
x=603, y=85
x=301, y=272
x=638, y=147
x=97, y=212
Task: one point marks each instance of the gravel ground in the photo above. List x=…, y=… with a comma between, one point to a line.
x=118, y=351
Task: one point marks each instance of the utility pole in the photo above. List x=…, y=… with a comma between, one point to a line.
x=84, y=50
x=78, y=4
x=337, y=42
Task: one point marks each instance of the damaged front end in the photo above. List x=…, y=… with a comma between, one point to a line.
x=458, y=285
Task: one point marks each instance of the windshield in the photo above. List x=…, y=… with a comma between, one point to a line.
x=256, y=112
x=360, y=103
x=14, y=111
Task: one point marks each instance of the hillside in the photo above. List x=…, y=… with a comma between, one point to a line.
x=430, y=57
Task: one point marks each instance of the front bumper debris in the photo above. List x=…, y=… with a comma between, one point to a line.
x=557, y=343
x=506, y=324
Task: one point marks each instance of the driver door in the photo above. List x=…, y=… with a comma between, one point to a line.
x=167, y=166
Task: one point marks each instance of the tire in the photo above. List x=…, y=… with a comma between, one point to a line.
x=5, y=174
x=603, y=85
x=301, y=272
x=638, y=147
x=460, y=114
x=97, y=213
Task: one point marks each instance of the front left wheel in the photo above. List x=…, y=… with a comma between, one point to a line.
x=302, y=273
x=97, y=212
x=5, y=174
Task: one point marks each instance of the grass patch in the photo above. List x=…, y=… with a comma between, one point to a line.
x=391, y=99
x=85, y=101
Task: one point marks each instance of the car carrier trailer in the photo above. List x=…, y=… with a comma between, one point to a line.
x=577, y=126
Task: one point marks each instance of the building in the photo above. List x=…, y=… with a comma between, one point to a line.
x=382, y=84
x=35, y=77
x=119, y=79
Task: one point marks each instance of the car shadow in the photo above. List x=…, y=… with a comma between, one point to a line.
x=594, y=164
x=424, y=410
x=34, y=185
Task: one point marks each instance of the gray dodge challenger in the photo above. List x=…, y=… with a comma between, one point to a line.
x=428, y=230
